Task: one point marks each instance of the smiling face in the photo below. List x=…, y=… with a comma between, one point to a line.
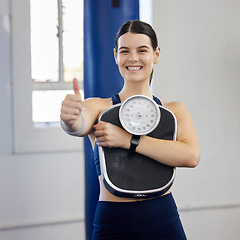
x=135, y=56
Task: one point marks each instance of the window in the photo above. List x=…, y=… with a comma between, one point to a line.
x=56, y=54
x=47, y=44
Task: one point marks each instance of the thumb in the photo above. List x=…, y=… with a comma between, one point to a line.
x=76, y=86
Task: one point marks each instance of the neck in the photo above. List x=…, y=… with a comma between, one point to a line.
x=134, y=89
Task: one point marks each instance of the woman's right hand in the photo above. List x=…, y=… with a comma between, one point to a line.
x=71, y=106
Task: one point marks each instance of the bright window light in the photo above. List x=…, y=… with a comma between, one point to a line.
x=56, y=54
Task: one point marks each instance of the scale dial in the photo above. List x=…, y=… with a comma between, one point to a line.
x=139, y=115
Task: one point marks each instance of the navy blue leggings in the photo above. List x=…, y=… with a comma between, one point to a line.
x=153, y=219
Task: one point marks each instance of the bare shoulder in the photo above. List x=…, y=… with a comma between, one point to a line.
x=98, y=104
x=97, y=100
x=100, y=101
x=176, y=107
x=183, y=116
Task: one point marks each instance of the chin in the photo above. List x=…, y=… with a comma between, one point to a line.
x=136, y=79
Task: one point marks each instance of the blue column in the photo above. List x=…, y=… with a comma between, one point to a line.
x=102, y=19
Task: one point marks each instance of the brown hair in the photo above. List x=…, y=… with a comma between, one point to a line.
x=137, y=26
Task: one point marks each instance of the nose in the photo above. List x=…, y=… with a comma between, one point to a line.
x=133, y=57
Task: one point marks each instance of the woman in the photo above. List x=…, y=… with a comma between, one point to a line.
x=136, y=52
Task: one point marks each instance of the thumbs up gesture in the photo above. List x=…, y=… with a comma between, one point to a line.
x=71, y=106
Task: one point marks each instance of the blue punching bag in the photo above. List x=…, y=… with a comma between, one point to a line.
x=102, y=19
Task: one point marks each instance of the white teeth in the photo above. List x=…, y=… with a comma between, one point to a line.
x=134, y=68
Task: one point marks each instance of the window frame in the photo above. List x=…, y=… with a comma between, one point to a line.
x=27, y=137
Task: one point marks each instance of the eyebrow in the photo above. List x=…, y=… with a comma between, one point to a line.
x=143, y=46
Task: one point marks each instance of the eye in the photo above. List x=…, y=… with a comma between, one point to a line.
x=124, y=52
x=142, y=51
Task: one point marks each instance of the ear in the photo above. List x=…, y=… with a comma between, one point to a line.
x=157, y=55
x=115, y=55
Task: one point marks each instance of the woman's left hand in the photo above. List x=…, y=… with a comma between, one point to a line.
x=109, y=135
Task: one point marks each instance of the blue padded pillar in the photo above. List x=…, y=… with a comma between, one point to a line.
x=102, y=19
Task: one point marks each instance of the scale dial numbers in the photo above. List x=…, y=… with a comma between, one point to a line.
x=139, y=115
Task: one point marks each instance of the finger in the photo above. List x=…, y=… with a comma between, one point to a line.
x=72, y=105
x=100, y=139
x=99, y=125
x=101, y=142
x=76, y=86
x=68, y=118
x=73, y=111
x=99, y=133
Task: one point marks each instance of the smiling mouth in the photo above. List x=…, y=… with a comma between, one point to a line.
x=135, y=68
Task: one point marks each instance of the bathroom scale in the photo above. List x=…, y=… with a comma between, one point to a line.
x=125, y=172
